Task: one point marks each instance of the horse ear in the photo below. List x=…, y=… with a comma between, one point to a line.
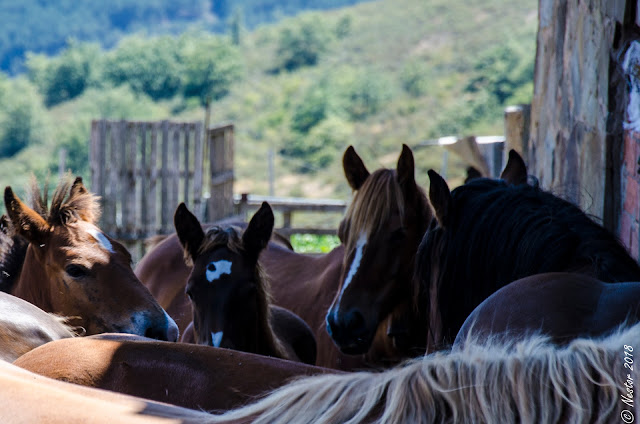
x=515, y=173
x=472, y=174
x=354, y=168
x=26, y=222
x=406, y=168
x=188, y=229
x=258, y=232
x=440, y=197
x=78, y=187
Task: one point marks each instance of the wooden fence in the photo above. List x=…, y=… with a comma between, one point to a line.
x=287, y=206
x=143, y=170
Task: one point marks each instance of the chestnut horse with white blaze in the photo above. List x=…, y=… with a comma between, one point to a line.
x=381, y=233
x=73, y=269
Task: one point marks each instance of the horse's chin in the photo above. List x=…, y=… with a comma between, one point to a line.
x=356, y=348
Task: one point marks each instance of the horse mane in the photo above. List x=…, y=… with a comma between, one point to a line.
x=369, y=208
x=67, y=203
x=231, y=238
x=13, y=249
x=528, y=381
x=502, y=233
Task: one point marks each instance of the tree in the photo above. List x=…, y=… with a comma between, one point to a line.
x=210, y=65
x=66, y=76
x=22, y=117
x=302, y=42
x=148, y=65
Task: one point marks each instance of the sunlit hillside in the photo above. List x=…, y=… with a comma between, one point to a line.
x=387, y=72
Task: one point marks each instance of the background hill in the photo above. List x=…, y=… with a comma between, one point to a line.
x=375, y=75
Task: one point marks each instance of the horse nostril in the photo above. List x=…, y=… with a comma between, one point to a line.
x=354, y=323
x=153, y=332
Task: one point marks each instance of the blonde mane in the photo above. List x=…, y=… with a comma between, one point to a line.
x=372, y=205
x=531, y=381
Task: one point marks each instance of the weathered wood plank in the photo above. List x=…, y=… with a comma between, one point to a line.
x=164, y=172
x=129, y=198
x=143, y=181
x=198, y=172
x=152, y=222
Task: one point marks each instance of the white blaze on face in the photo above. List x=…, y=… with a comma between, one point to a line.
x=216, y=339
x=100, y=238
x=216, y=269
x=355, y=264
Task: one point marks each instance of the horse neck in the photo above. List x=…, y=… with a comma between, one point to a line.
x=33, y=285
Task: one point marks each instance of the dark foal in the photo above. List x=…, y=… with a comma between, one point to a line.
x=230, y=294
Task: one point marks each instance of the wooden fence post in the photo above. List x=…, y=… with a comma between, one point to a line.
x=517, y=121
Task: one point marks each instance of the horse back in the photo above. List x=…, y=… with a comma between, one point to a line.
x=563, y=306
x=192, y=376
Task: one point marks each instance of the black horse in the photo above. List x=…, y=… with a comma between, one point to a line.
x=488, y=233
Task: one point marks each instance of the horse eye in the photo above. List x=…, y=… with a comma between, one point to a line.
x=211, y=267
x=76, y=271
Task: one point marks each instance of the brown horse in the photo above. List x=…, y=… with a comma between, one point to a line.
x=31, y=398
x=307, y=284
x=24, y=326
x=381, y=233
x=229, y=292
x=193, y=376
x=74, y=270
x=560, y=305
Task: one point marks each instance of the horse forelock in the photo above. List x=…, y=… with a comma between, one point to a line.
x=373, y=205
x=527, y=381
x=67, y=206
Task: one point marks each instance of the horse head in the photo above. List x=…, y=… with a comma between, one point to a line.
x=381, y=232
x=73, y=269
x=227, y=288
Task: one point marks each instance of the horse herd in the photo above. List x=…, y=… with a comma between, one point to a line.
x=493, y=302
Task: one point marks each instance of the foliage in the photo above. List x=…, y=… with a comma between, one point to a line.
x=500, y=71
x=66, y=76
x=302, y=42
x=321, y=146
x=310, y=243
x=363, y=91
x=22, y=117
x=148, y=65
x=210, y=65
x=415, y=78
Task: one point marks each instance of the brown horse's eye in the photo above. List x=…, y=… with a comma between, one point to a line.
x=76, y=271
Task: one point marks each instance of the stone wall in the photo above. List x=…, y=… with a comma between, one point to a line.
x=583, y=145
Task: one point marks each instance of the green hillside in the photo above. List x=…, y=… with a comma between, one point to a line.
x=374, y=75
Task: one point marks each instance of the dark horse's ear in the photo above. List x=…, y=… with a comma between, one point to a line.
x=26, y=222
x=354, y=168
x=515, y=173
x=188, y=229
x=258, y=232
x=472, y=174
x=406, y=169
x=440, y=197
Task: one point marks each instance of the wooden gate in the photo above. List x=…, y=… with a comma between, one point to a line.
x=143, y=170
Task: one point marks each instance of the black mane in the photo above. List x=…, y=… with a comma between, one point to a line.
x=13, y=249
x=497, y=233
